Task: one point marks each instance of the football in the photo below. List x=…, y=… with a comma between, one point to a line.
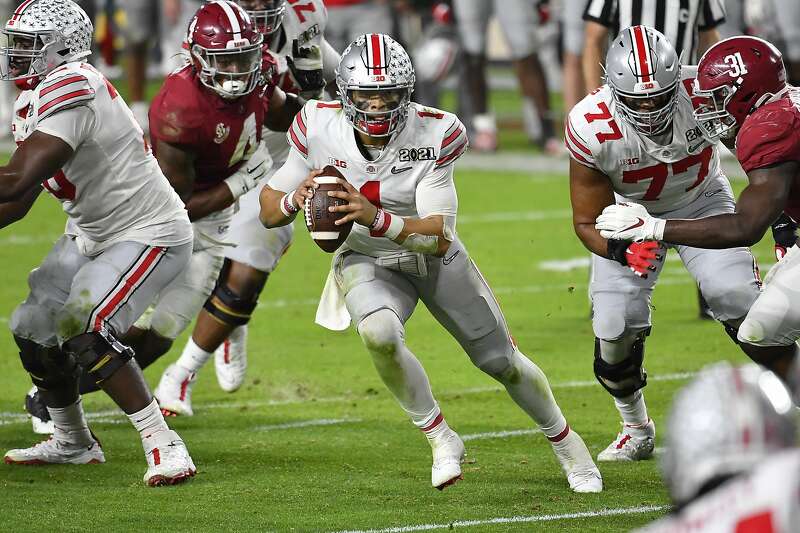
x=320, y=221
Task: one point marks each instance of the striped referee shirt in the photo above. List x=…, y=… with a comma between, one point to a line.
x=678, y=20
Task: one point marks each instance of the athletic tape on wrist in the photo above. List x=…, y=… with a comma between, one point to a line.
x=287, y=207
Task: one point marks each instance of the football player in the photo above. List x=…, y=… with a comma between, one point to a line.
x=635, y=139
x=740, y=470
x=205, y=124
x=743, y=99
x=293, y=37
x=398, y=159
x=127, y=237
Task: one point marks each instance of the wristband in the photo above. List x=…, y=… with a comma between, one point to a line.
x=386, y=225
x=287, y=206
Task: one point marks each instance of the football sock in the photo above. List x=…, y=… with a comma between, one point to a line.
x=633, y=410
x=193, y=357
x=401, y=372
x=70, y=424
x=529, y=388
x=433, y=424
x=149, y=420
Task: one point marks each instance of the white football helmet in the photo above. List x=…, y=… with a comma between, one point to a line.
x=643, y=71
x=267, y=15
x=723, y=423
x=375, y=63
x=42, y=35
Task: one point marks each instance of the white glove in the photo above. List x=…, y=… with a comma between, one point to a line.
x=251, y=172
x=629, y=222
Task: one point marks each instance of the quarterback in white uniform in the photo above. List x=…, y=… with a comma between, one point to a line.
x=398, y=159
x=635, y=140
x=739, y=468
x=127, y=237
x=305, y=65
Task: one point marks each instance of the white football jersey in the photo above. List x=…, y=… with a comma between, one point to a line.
x=767, y=500
x=112, y=188
x=430, y=141
x=304, y=21
x=661, y=178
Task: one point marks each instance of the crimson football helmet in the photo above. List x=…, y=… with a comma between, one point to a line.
x=267, y=15
x=225, y=48
x=734, y=78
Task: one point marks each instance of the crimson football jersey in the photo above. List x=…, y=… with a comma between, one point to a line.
x=220, y=133
x=771, y=135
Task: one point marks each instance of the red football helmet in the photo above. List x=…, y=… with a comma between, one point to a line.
x=225, y=48
x=735, y=77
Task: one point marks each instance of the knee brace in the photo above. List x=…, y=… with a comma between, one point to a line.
x=98, y=353
x=227, y=306
x=49, y=367
x=625, y=377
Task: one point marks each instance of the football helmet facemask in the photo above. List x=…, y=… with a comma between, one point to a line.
x=40, y=36
x=267, y=15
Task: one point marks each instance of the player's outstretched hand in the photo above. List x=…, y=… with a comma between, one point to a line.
x=306, y=189
x=629, y=222
x=358, y=208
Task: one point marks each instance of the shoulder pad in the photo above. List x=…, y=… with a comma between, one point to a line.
x=589, y=125
x=769, y=136
x=61, y=89
x=454, y=140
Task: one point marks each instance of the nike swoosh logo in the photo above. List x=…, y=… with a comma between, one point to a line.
x=396, y=170
x=639, y=223
x=709, y=194
x=448, y=260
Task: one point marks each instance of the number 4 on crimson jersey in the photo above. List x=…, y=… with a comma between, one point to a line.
x=662, y=178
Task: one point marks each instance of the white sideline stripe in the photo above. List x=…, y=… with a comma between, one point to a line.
x=13, y=417
x=515, y=520
x=500, y=434
x=664, y=280
x=308, y=423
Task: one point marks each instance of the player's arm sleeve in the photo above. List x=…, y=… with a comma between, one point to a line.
x=436, y=194
x=291, y=174
x=297, y=134
x=453, y=145
x=72, y=125
x=712, y=15
x=577, y=146
x=601, y=11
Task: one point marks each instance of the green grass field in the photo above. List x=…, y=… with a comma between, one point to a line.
x=313, y=441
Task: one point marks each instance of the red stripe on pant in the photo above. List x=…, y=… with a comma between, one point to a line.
x=127, y=285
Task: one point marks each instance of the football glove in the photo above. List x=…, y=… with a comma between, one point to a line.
x=629, y=222
x=306, y=66
x=250, y=172
x=784, y=233
x=641, y=257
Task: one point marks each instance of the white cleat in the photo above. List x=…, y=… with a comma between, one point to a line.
x=631, y=444
x=576, y=461
x=174, y=391
x=448, y=454
x=230, y=360
x=56, y=452
x=168, y=460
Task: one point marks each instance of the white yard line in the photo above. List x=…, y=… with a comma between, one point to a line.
x=499, y=434
x=515, y=520
x=106, y=415
x=308, y=423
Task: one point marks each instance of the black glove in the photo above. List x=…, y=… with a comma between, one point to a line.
x=784, y=233
x=306, y=66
